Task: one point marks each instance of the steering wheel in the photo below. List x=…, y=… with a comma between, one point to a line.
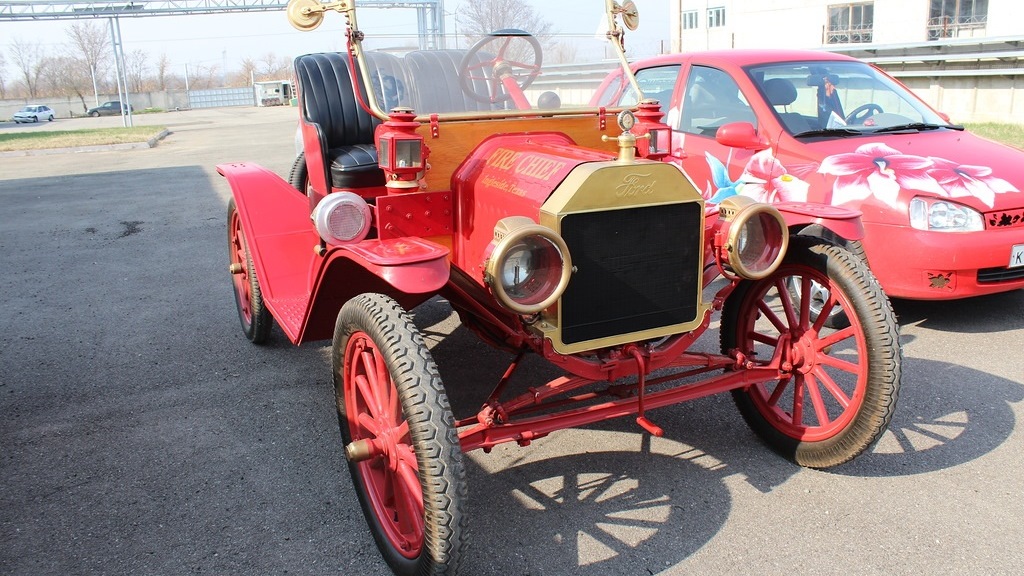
x=863, y=112
x=509, y=55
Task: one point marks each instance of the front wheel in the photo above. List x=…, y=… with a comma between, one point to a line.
x=400, y=441
x=838, y=386
x=94, y=114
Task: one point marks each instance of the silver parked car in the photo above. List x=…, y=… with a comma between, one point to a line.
x=33, y=113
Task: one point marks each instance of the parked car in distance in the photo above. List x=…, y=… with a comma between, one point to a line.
x=943, y=210
x=112, y=108
x=33, y=113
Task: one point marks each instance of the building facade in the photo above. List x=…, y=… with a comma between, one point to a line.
x=716, y=24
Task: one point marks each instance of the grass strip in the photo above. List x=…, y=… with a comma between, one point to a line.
x=75, y=138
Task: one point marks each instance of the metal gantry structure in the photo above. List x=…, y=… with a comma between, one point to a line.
x=430, y=13
x=430, y=18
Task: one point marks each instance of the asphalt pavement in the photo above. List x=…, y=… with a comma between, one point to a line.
x=142, y=434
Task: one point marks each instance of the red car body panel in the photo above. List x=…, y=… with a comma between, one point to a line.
x=509, y=176
x=943, y=163
x=291, y=272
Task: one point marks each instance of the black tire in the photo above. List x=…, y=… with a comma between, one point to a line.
x=861, y=362
x=837, y=319
x=299, y=175
x=94, y=114
x=252, y=311
x=382, y=335
x=50, y=119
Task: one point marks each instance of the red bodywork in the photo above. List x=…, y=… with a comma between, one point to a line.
x=945, y=164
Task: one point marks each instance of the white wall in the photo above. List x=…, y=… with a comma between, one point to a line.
x=801, y=23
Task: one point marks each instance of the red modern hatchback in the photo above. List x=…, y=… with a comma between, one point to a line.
x=942, y=208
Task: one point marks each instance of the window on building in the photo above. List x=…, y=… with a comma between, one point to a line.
x=689, y=19
x=850, y=23
x=716, y=17
x=950, y=18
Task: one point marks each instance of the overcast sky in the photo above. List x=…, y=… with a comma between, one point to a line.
x=217, y=39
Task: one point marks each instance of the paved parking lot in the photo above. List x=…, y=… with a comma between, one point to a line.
x=142, y=434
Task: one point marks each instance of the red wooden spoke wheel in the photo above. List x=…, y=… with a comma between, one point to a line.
x=252, y=313
x=839, y=385
x=399, y=433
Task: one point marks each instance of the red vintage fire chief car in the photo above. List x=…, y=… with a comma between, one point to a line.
x=552, y=227
x=943, y=211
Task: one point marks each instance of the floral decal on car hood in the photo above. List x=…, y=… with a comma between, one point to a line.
x=764, y=179
x=873, y=169
x=881, y=171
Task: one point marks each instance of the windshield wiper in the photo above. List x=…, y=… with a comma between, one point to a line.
x=828, y=132
x=918, y=126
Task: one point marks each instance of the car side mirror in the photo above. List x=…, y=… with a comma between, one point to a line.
x=740, y=135
x=945, y=117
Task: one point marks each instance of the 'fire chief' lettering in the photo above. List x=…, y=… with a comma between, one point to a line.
x=524, y=163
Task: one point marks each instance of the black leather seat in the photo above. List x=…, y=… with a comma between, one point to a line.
x=344, y=127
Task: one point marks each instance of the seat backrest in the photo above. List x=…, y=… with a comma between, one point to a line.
x=437, y=84
x=327, y=98
x=780, y=92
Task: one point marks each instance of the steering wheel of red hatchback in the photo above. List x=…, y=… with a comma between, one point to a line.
x=503, y=55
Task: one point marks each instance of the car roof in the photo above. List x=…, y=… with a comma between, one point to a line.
x=744, y=57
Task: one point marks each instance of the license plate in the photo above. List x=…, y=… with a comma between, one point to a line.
x=1017, y=256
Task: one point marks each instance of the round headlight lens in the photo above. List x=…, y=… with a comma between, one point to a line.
x=757, y=237
x=342, y=218
x=531, y=270
x=528, y=269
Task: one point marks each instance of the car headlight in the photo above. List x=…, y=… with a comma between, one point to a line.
x=944, y=216
x=755, y=236
x=529, y=266
x=342, y=218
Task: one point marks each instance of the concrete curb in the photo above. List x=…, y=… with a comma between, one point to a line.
x=151, y=143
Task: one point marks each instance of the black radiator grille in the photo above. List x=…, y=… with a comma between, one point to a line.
x=636, y=269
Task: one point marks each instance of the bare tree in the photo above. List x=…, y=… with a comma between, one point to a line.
x=3, y=74
x=163, y=65
x=481, y=17
x=203, y=77
x=273, y=67
x=64, y=75
x=135, y=70
x=89, y=43
x=27, y=56
x=246, y=74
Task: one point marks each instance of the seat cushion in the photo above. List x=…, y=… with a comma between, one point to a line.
x=355, y=167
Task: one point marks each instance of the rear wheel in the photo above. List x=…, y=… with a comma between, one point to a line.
x=299, y=175
x=253, y=314
x=840, y=386
x=402, y=448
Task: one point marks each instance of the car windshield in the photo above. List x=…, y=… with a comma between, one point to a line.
x=839, y=98
x=552, y=66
